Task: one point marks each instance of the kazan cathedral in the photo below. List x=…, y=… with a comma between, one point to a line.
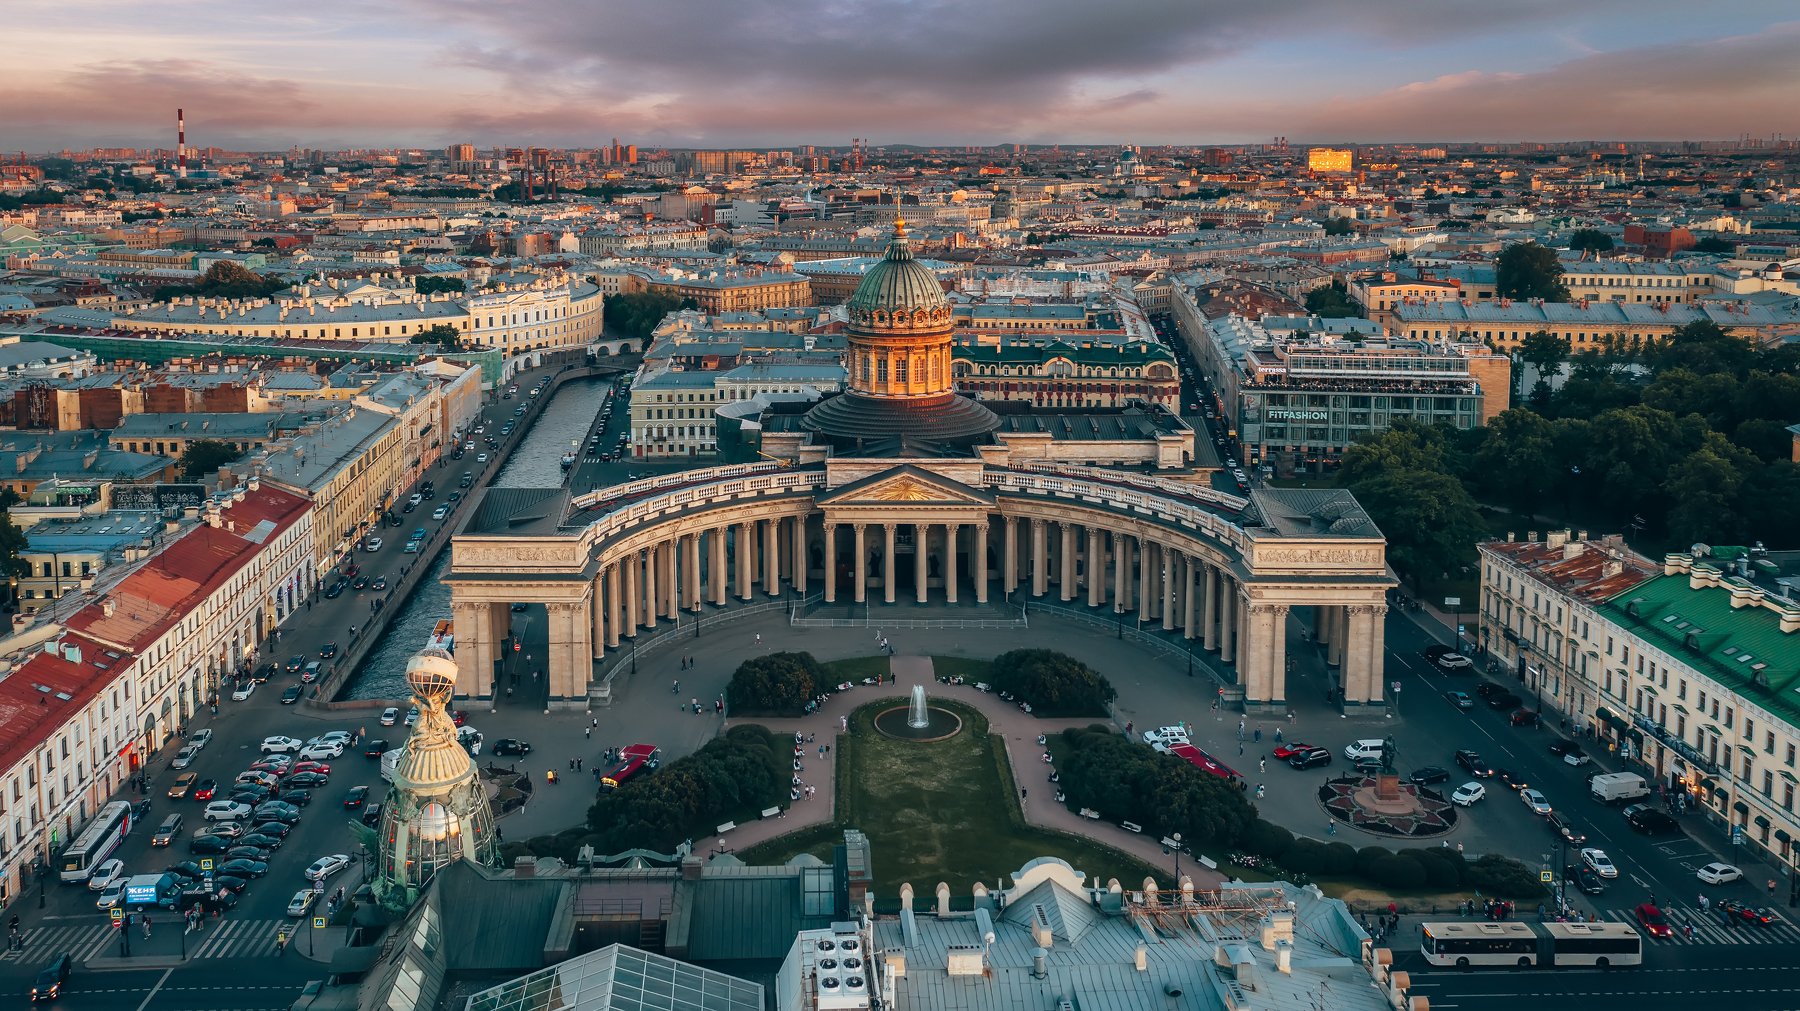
x=913, y=501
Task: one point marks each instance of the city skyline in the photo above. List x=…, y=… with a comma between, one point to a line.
x=767, y=74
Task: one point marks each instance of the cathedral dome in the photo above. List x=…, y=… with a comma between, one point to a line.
x=899, y=293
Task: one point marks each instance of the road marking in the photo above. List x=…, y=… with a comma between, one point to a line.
x=152, y=994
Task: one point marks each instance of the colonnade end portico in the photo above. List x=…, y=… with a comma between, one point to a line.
x=1221, y=572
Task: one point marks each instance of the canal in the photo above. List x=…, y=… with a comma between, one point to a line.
x=537, y=463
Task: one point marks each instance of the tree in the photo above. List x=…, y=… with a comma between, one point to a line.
x=203, y=456
x=1528, y=270
x=1703, y=491
x=1590, y=240
x=779, y=684
x=636, y=314
x=1517, y=460
x=1546, y=352
x=1055, y=684
x=1431, y=523
x=442, y=334
x=741, y=772
x=1406, y=445
x=426, y=284
x=12, y=545
x=1332, y=301
x=1713, y=244
x=1337, y=225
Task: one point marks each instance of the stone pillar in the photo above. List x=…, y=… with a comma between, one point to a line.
x=1277, y=680
x=1120, y=550
x=651, y=597
x=570, y=665
x=862, y=561
x=690, y=595
x=475, y=648
x=1334, y=648
x=1357, y=659
x=1322, y=624
x=634, y=616
x=887, y=562
x=981, y=563
x=1247, y=652
x=921, y=545
x=1376, y=645
x=1188, y=594
x=772, y=557
x=746, y=550
x=597, y=606
x=1224, y=604
x=800, y=558
x=830, y=562
x=1169, y=578
x=1147, y=597
x=1040, y=579
x=614, y=616
x=1209, y=606
x=1096, y=566
x=1067, y=583
x=1009, y=557
x=715, y=539
x=950, y=561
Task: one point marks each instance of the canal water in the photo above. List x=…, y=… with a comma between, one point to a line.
x=537, y=463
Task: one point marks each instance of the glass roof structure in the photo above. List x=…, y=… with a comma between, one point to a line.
x=621, y=978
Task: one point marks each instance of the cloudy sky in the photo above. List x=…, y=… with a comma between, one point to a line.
x=779, y=73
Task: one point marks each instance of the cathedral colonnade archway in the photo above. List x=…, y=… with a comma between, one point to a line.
x=1223, y=571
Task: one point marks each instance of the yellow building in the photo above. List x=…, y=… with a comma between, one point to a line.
x=1329, y=159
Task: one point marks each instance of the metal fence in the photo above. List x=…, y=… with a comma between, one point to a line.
x=1178, y=648
x=650, y=641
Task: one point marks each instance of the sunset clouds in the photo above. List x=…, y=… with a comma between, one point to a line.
x=784, y=72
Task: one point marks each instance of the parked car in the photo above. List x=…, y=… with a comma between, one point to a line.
x=1504, y=702
x=227, y=810
x=1488, y=689
x=1467, y=794
x=281, y=745
x=243, y=691
x=1649, y=821
x=185, y=757
x=260, y=841
x=1283, y=752
x=373, y=544
x=244, y=868
x=208, y=845
x=326, y=866
x=200, y=738
x=204, y=789
x=1522, y=717
x=183, y=785
x=357, y=797
x=1719, y=874
x=323, y=749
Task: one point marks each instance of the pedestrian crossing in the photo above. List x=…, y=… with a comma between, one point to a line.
x=218, y=938
x=83, y=941
x=1710, y=929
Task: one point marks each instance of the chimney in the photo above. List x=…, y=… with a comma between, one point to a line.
x=1277, y=927
x=1041, y=935
x=906, y=896
x=524, y=867
x=690, y=868
x=1141, y=958
x=1284, y=957
x=108, y=606
x=1556, y=538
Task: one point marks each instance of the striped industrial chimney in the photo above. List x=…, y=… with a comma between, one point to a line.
x=181, y=143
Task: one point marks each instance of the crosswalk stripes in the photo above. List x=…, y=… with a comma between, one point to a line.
x=230, y=938
x=1709, y=929
x=81, y=940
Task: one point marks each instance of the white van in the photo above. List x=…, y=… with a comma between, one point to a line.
x=1612, y=787
x=1368, y=747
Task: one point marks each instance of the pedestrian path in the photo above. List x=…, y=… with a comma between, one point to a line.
x=1710, y=929
x=83, y=941
x=230, y=938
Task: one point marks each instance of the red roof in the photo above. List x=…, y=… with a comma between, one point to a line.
x=48, y=690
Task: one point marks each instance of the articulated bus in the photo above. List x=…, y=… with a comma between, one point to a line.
x=1545, y=945
x=96, y=842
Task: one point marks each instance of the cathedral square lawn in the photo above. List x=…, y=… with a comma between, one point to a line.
x=938, y=812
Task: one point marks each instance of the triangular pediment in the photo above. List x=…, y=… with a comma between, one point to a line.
x=906, y=484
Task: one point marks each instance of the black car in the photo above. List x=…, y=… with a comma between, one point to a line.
x=257, y=839
x=371, y=814
x=1488, y=689
x=1561, y=747
x=295, y=662
x=209, y=845
x=244, y=867
x=1504, y=702
x=52, y=977
x=1310, y=759
x=1513, y=780
x=185, y=869
x=328, y=651
x=1585, y=878
x=276, y=810
x=242, y=852
x=1738, y=912
x=508, y=746
x=216, y=901
x=376, y=747
x=1561, y=825
x=291, y=695
x=276, y=829
x=298, y=798
x=1429, y=775
x=1650, y=821
x=1368, y=765
x=251, y=793
x=230, y=883
x=1471, y=763
x=357, y=796
x=308, y=780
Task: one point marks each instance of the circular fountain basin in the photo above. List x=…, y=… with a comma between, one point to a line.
x=940, y=724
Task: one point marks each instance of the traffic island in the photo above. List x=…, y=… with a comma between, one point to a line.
x=1384, y=805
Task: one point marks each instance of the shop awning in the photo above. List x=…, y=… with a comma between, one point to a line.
x=1782, y=834
x=1604, y=714
x=1636, y=735
x=1761, y=820
x=1741, y=808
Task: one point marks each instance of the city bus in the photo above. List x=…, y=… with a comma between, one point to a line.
x=1545, y=945
x=97, y=841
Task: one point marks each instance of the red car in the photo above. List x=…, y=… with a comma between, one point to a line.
x=322, y=768
x=1740, y=913
x=203, y=790
x=459, y=717
x=1283, y=752
x=1652, y=920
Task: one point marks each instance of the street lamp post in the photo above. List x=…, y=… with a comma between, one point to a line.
x=1176, y=839
x=696, y=619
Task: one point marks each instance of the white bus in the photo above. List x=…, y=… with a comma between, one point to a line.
x=1545, y=945
x=96, y=842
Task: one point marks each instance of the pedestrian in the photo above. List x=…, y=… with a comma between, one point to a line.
x=1240, y=747
x=1771, y=888
x=588, y=733
x=577, y=764
x=571, y=765
x=1258, y=737
x=146, y=919
x=1262, y=765
x=759, y=638
x=1705, y=904
x=1022, y=793
x=1277, y=735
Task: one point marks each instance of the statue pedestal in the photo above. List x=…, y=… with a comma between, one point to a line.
x=1387, y=786
x=1385, y=795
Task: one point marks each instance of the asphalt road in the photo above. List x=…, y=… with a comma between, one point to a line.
x=1744, y=979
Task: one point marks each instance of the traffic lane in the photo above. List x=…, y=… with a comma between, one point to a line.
x=1745, y=977
x=88, y=990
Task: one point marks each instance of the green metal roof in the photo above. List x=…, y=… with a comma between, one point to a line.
x=1742, y=648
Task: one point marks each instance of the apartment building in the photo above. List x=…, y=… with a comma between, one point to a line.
x=1586, y=325
x=717, y=291
x=1637, y=280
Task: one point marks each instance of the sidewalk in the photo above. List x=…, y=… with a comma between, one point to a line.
x=1019, y=730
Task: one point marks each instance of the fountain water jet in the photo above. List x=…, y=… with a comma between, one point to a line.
x=918, y=718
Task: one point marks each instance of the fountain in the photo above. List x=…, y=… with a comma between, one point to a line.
x=918, y=721
x=919, y=718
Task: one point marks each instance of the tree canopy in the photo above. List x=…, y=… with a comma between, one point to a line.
x=12, y=545
x=224, y=279
x=1590, y=240
x=774, y=684
x=1332, y=301
x=1055, y=684
x=442, y=334
x=635, y=314
x=203, y=456
x=1431, y=522
x=739, y=773
x=1528, y=270
x=426, y=284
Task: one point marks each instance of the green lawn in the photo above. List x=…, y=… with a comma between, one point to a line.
x=971, y=669
x=939, y=812
x=855, y=668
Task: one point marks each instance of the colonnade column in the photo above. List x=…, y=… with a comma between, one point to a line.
x=830, y=562
x=1040, y=579
x=1009, y=561
x=475, y=655
x=597, y=613
x=1096, y=566
x=1358, y=660
x=887, y=562
x=1067, y=583
x=650, y=598
x=981, y=563
x=1334, y=649
x=570, y=665
x=1225, y=599
x=1209, y=606
x=669, y=579
x=630, y=565
x=1146, y=586
x=1276, y=683
x=862, y=560
x=690, y=591
x=1242, y=621
x=612, y=606
x=746, y=548
x=950, y=561
x=1119, y=550
x=921, y=547
x=772, y=557
x=1188, y=593
x=1170, y=562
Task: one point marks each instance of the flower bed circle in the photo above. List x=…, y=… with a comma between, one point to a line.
x=1415, y=813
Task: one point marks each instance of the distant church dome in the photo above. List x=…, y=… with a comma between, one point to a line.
x=899, y=292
